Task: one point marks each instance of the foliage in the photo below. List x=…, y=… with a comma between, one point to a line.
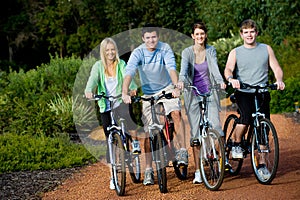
x=26, y=98
x=25, y=152
x=284, y=101
x=35, y=29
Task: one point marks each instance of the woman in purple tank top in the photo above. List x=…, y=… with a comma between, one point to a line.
x=199, y=67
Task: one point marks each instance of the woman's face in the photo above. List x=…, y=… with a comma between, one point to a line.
x=199, y=36
x=110, y=52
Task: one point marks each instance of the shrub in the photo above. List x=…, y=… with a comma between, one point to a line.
x=26, y=152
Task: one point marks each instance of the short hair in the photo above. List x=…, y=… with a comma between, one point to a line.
x=248, y=23
x=149, y=28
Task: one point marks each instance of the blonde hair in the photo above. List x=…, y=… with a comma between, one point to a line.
x=103, y=46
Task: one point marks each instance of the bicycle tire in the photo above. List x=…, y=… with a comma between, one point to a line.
x=267, y=129
x=212, y=162
x=133, y=162
x=118, y=164
x=160, y=162
x=235, y=165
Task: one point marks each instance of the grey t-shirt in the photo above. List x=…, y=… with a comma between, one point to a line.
x=252, y=65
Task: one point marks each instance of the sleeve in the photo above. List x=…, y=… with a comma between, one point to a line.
x=169, y=58
x=215, y=72
x=133, y=62
x=94, y=78
x=184, y=66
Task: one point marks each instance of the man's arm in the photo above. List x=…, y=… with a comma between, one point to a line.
x=230, y=66
x=276, y=69
x=126, y=82
x=174, y=78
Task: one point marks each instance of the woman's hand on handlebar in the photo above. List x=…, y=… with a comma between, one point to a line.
x=89, y=95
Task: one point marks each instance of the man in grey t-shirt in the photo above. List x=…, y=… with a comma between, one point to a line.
x=251, y=62
x=155, y=62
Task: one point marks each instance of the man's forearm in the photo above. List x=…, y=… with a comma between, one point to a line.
x=126, y=83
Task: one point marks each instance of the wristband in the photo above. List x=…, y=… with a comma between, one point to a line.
x=229, y=77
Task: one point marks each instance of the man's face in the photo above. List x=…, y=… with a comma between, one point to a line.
x=249, y=36
x=150, y=40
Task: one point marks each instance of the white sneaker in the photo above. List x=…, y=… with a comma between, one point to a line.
x=148, y=178
x=264, y=172
x=111, y=184
x=136, y=149
x=237, y=152
x=197, y=179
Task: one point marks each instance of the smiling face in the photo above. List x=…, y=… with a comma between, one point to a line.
x=110, y=52
x=249, y=36
x=199, y=36
x=151, y=40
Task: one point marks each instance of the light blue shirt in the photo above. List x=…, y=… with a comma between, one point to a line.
x=153, y=67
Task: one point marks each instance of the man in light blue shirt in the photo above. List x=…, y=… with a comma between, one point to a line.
x=155, y=62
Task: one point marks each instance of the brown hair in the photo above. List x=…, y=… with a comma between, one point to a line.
x=248, y=23
x=200, y=25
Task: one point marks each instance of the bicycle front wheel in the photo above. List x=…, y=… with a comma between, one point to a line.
x=212, y=160
x=234, y=165
x=265, y=150
x=160, y=162
x=118, y=164
x=133, y=162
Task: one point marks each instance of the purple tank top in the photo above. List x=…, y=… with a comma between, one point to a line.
x=201, y=78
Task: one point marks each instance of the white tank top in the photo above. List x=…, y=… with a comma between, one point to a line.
x=111, y=87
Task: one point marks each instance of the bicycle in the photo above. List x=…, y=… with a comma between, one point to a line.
x=161, y=145
x=259, y=140
x=119, y=145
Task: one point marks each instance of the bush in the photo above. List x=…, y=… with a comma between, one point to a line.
x=283, y=101
x=26, y=152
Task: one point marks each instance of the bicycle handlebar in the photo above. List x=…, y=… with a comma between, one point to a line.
x=97, y=97
x=197, y=91
x=153, y=97
x=257, y=87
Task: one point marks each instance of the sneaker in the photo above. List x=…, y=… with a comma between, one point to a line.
x=182, y=156
x=148, y=177
x=195, y=142
x=264, y=172
x=237, y=152
x=111, y=184
x=136, y=147
x=227, y=165
x=197, y=179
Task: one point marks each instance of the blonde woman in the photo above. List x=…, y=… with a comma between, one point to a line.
x=107, y=76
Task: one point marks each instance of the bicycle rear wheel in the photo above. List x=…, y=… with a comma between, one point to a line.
x=212, y=160
x=160, y=162
x=265, y=146
x=234, y=165
x=133, y=162
x=118, y=164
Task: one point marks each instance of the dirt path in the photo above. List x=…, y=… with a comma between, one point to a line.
x=92, y=182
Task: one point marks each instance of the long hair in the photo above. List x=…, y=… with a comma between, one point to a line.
x=103, y=45
x=200, y=25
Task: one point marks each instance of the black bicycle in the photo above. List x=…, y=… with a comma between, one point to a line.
x=260, y=141
x=120, y=150
x=161, y=141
